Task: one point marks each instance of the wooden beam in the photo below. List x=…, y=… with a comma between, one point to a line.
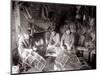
x=17, y=20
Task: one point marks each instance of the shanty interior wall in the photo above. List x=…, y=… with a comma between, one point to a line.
x=56, y=9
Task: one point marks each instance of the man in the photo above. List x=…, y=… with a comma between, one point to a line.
x=53, y=41
x=24, y=45
x=67, y=40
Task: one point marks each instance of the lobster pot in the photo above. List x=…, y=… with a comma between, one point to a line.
x=61, y=60
x=74, y=62
x=36, y=61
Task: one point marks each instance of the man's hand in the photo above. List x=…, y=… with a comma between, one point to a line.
x=28, y=50
x=34, y=48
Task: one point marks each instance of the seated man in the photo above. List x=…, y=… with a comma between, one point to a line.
x=24, y=48
x=67, y=40
x=24, y=45
x=29, y=57
x=53, y=42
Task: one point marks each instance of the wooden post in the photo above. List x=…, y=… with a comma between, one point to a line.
x=17, y=20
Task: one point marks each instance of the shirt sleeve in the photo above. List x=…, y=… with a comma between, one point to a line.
x=20, y=46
